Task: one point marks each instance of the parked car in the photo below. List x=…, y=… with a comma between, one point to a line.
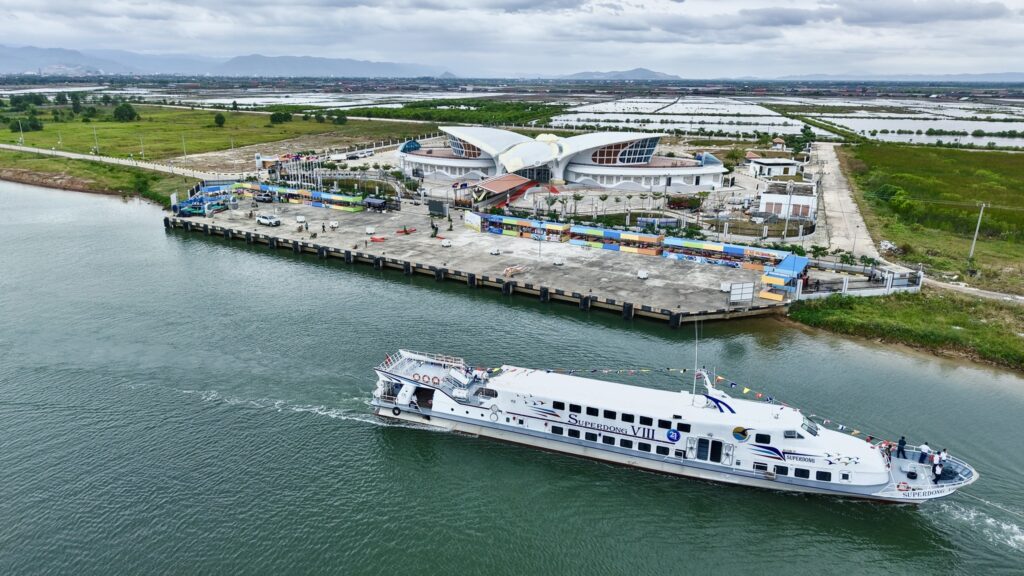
x=263, y=197
x=268, y=220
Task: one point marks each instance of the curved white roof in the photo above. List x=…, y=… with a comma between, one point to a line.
x=491, y=140
x=576, y=144
x=528, y=154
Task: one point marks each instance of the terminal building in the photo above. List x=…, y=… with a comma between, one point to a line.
x=618, y=160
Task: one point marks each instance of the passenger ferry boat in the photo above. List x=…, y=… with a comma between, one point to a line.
x=703, y=434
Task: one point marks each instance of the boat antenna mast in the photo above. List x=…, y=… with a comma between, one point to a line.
x=696, y=343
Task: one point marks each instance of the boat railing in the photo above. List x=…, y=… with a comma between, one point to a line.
x=966, y=474
x=441, y=359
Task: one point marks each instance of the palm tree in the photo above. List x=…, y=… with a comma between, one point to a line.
x=643, y=201
x=657, y=198
x=629, y=197
x=604, y=208
x=576, y=201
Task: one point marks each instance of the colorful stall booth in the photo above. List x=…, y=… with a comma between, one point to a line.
x=780, y=282
x=524, y=228
x=605, y=239
x=302, y=196
x=735, y=256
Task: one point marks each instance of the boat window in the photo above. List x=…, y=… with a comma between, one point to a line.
x=782, y=470
x=609, y=440
x=810, y=427
x=487, y=392
x=558, y=405
x=792, y=434
x=679, y=453
x=643, y=447
x=590, y=436
x=664, y=424
x=592, y=411
x=682, y=427
x=702, y=448
x=625, y=443
x=557, y=430
x=627, y=418
x=760, y=466
x=823, y=476
x=663, y=450
x=844, y=476
x=716, y=451
x=574, y=433
x=763, y=438
x=801, y=473
x=610, y=414
x=646, y=421
x=575, y=408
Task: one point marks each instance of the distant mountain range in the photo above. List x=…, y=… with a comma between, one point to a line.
x=58, y=61
x=634, y=74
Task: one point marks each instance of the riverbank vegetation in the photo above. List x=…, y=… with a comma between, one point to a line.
x=936, y=320
x=470, y=111
x=86, y=176
x=926, y=201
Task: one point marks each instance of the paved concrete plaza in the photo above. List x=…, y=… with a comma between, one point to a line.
x=680, y=286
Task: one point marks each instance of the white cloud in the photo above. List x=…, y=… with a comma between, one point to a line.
x=695, y=38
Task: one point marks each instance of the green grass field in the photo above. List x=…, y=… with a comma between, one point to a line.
x=924, y=199
x=935, y=320
x=161, y=129
x=92, y=176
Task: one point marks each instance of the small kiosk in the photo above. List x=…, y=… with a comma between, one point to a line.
x=781, y=281
x=524, y=228
x=637, y=243
x=733, y=255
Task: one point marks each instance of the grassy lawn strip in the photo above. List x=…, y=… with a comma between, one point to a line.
x=469, y=111
x=934, y=320
x=160, y=131
x=86, y=176
x=923, y=200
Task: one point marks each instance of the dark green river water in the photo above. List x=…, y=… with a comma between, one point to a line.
x=175, y=404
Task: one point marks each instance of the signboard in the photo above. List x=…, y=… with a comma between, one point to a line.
x=741, y=292
x=472, y=220
x=437, y=208
x=174, y=198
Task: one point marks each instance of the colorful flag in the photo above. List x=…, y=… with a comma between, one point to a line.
x=745, y=390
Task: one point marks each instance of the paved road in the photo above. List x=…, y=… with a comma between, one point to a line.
x=843, y=221
x=157, y=167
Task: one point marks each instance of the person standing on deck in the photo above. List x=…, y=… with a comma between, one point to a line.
x=900, y=452
x=944, y=456
x=925, y=451
x=937, y=471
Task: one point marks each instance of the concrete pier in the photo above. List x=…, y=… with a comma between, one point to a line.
x=676, y=292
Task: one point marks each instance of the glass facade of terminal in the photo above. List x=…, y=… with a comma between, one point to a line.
x=462, y=148
x=636, y=152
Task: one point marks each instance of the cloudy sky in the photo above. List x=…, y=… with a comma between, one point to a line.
x=691, y=38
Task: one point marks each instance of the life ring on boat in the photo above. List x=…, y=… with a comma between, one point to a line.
x=903, y=486
x=435, y=380
x=425, y=378
x=416, y=377
x=396, y=410
x=494, y=416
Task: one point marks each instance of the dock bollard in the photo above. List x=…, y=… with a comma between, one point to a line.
x=544, y=294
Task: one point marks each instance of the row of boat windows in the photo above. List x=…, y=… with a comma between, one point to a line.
x=612, y=415
x=610, y=440
x=821, y=475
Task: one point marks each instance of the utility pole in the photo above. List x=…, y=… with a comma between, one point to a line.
x=21, y=138
x=142, y=148
x=96, y=140
x=976, y=230
x=183, y=150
